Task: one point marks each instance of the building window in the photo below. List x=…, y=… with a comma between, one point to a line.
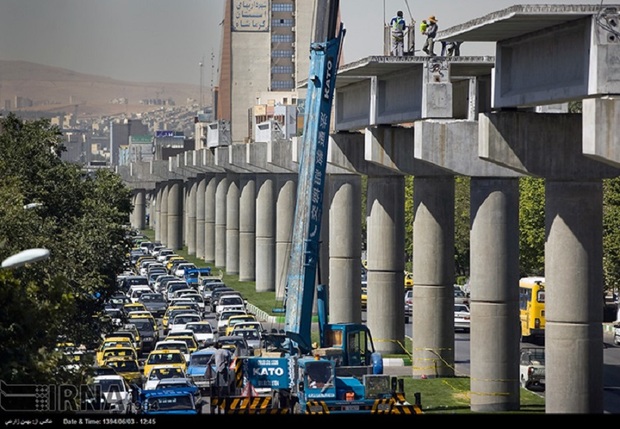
x=282, y=53
x=282, y=7
x=285, y=85
x=282, y=38
x=282, y=70
x=283, y=23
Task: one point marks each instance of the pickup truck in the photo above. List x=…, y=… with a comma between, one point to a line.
x=532, y=368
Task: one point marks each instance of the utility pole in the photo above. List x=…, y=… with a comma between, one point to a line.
x=201, y=64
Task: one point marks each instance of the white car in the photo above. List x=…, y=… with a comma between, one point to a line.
x=161, y=255
x=532, y=368
x=181, y=320
x=136, y=291
x=180, y=271
x=230, y=302
x=115, y=391
x=179, y=345
x=204, y=333
x=461, y=318
x=161, y=372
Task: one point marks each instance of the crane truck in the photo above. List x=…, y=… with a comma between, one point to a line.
x=343, y=373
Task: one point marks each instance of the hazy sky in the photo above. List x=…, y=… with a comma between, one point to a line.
x=166, y=40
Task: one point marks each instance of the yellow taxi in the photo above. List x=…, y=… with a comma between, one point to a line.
x=233, y=320
x=116, y=351
x=172, y=311
x=172, y=260
x=364, y=296
x=192, y=344
x=168, y=357
x=142, y=315
x=408, y=279
x=110, y=342
x=126, y=367
x=133, y=306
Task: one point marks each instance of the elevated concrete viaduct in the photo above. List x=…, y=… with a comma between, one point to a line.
x=437, y=118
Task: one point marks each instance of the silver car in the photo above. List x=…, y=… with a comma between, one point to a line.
x=461, y=318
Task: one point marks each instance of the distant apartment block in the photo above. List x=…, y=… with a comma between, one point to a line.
x=265, y=49
x=119, y=136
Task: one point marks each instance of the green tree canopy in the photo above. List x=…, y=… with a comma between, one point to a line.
x=82, y=220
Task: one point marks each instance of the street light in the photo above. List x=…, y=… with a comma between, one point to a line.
x=32, y=206
x=26, y=256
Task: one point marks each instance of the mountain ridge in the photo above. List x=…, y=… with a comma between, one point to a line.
x=58, y=89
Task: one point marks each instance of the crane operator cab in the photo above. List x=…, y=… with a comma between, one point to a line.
x=351, y=348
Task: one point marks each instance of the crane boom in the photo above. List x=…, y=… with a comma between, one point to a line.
x=301, y=279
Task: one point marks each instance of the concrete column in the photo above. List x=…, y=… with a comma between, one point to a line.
x=139, y=213
x=494, y=300
x=345, y=248
x=164, y=214
x=247, y=228
x=200, y=216
x=191, y=217
x=232, y=225
x=285, y=216
x=265, y=233
x=220, y=222
x=433, y=277
x=150, y=209
x=158, y=198
x=574, y=297
x=210, y=218
x=386, y=262
x=175, y=215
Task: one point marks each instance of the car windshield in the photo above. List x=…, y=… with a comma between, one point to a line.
x=125, y=366
x=152, y=297
x=161, y=373
x=165, y=358
x=143, y=324
x=200, y=328
x=200, y=360
x=110, y=385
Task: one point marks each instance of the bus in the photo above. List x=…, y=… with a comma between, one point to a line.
x=532, y=307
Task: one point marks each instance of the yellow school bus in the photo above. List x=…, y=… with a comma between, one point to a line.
x=532, y=307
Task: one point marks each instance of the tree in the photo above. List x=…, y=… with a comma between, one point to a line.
x=81, y=220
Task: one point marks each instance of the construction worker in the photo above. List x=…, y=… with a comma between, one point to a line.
x=431, y=33
x=397, y=29
x=423, y=26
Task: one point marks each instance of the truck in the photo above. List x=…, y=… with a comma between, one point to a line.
x=342, y=373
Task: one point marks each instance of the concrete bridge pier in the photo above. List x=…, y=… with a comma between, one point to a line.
x=574, y=291
x=265, y=233
x=232, y=224
x=158, y=198
x=247, y=228
x=164, y=213
x=345, y=248
x=191, y=203
x=433, y=277
x=175, y=214
x=386, y=263
x=210, y=191
x=220, y=221
x=139, y=210
x=201, y=189
x=285, y=214
x=494, y=303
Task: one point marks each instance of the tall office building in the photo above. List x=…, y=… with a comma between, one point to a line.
x=265, y=48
